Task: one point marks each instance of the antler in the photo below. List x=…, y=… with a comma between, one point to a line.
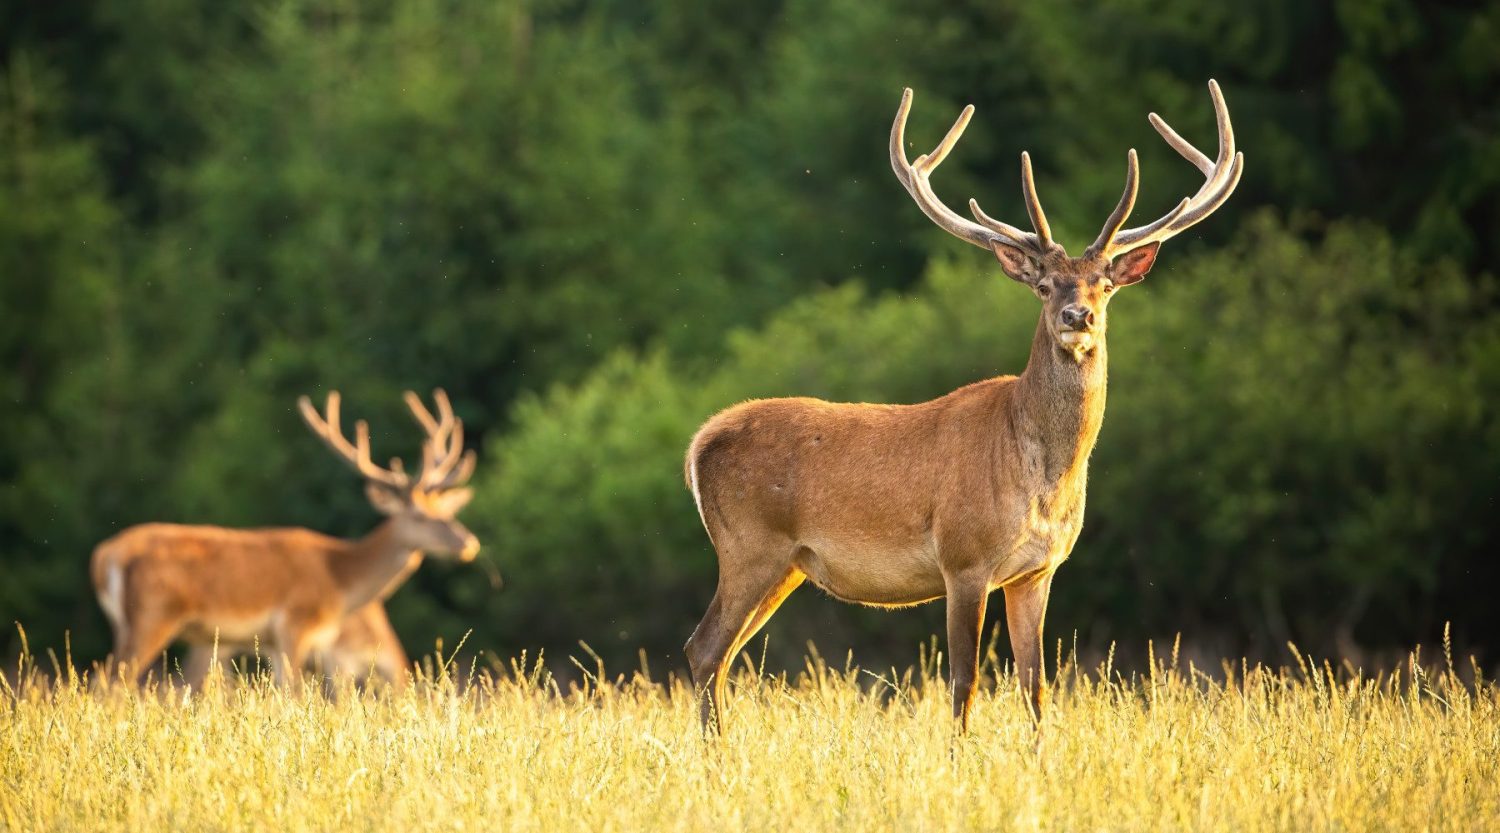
x=445, y=464
x=1220, y=178
x=356, y=455
x=914, y=176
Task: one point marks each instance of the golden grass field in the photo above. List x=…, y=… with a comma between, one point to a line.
x=1244, y=749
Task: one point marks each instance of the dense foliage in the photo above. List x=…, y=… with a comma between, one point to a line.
x=597, y=223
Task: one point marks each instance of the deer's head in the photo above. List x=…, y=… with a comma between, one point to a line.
x=1074, y=291
x=423, y=509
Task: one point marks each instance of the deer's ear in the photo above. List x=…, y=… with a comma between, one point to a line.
x=384, y=499
x=1015, y=262
x=1132, y=266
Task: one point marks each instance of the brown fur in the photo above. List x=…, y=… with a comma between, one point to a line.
x=893, y=505
x=366, y=645
x=290, y=590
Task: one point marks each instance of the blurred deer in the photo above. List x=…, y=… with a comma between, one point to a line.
x=365, y=649
x=895, y=505
x=290, y=590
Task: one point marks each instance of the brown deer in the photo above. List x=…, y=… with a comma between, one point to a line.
x=289, y=589
x=895, y=505
x=366, y=647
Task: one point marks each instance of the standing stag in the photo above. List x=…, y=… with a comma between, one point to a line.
x=895, y=505
x=291, y=590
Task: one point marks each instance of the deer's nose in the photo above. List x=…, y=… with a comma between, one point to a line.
x=1077, y=317
x=471, y=548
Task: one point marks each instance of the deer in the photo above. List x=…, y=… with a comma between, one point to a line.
x=982, y=489
x=291, y=590
x=365, y=649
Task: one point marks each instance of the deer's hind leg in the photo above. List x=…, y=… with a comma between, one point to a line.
x=768, y=606
x=750, y=589
x=141, y=642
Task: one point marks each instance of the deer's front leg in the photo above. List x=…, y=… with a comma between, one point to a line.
x=293, y=639
x=1025, y=607
x=966, y=602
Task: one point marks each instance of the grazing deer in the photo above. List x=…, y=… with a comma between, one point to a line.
x=289, y=589
x=366, y=645
x=895, y=505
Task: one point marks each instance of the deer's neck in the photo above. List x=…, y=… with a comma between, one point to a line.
x=1060, y=405
x=373, y=567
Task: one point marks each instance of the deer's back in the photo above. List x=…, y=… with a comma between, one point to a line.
x=237, y=571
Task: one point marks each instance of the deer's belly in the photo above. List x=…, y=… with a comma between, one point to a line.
x=241, y=630
x=883, y=576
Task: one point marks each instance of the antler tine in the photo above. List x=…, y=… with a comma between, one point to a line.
x=445, y=408
x=1122, y=210
x=436, y=428
x=418, y=410
x=446, y=456
x=443, y=448
x=1220, y=177
x=460, y=473
x=914, y=176
x=996, y=225
x=357, y=455
x=439, y=456
x=1181, y=145
x=928, y=163
x=1033, y=205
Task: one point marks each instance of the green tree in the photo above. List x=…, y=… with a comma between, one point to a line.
x=61, y=345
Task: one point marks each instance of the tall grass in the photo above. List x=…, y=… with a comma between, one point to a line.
x=1309, y=747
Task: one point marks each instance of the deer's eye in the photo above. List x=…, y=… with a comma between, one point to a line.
x=1109, y=286
x=1043, y=290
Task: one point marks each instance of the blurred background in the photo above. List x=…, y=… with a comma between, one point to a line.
x=597, y=223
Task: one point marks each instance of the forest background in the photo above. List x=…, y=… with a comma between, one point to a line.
x=596, y=223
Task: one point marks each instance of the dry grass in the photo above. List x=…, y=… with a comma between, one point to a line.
x=1300, y=749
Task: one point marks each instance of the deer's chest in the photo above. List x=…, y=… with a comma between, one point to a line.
x=1046, y=526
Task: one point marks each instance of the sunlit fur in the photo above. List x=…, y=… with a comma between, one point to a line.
x=892, y=505
x=288, y=592
x=366, y=646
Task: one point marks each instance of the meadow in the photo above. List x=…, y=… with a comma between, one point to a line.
x=1245, y=748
